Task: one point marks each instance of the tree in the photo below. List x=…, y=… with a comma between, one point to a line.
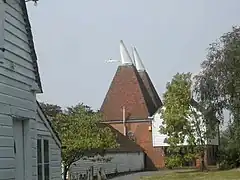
x=176, y=102
x=51, y=110
x=183, y=122
x=82, y=134
x=218, y=84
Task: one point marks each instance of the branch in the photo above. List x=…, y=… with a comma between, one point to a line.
x=210, y=110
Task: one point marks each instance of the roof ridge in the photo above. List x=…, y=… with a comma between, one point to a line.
x=125, y=56
x=138, y=60
x=146, y=95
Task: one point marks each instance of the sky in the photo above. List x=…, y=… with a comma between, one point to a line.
x=74, y=38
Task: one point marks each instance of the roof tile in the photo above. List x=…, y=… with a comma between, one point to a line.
x=127, y=89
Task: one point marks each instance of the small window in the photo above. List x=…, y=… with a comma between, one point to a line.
x=43, y=159
x=131, y=136
x=165, y=140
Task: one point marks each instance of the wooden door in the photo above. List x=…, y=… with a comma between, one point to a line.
x=18, y=131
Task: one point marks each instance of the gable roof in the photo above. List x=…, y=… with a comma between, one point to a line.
x=48, y=124
x=128, y=90
x=31, y=44
x=125, y=144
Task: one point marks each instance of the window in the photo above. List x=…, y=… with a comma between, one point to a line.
x=131, y=136
x=165, y=140
x=43, y=159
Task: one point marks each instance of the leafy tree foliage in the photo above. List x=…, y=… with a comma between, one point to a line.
x=218, y=84
x=229, y=149
x=183, y=123
x=81, y=133
x=228, y=158
x=51, y=110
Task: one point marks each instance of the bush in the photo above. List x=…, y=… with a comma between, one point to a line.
x=173, y=161
x=229, y=149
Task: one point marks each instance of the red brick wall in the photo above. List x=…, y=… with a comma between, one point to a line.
x=154, y=156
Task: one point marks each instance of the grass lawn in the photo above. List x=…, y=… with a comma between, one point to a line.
x=211, y=175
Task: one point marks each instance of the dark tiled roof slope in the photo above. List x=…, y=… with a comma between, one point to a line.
x=151, y=89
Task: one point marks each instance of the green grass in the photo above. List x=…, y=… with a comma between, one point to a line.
x=211, y=175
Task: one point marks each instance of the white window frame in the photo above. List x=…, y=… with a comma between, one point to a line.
x=42, y=163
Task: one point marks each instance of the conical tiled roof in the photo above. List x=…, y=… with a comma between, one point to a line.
x=127, y=89
x=151, y=89
x=146, y=80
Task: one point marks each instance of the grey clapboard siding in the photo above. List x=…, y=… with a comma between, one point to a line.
x=2, y=13
x=7, y=165
x=17, y=76
x=17, y=73
x=55, y=161
x=8, y=174
x=33, y=130
x=55, y=150
x=16, y=44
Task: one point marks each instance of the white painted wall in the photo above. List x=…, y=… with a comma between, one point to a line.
x=122, y=162
x=158, y=138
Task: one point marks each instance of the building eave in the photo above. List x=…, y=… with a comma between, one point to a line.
x=48, y=123
x=31, y=45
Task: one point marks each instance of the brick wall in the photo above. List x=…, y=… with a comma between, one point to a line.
x=143, y=136
x=155, y=156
